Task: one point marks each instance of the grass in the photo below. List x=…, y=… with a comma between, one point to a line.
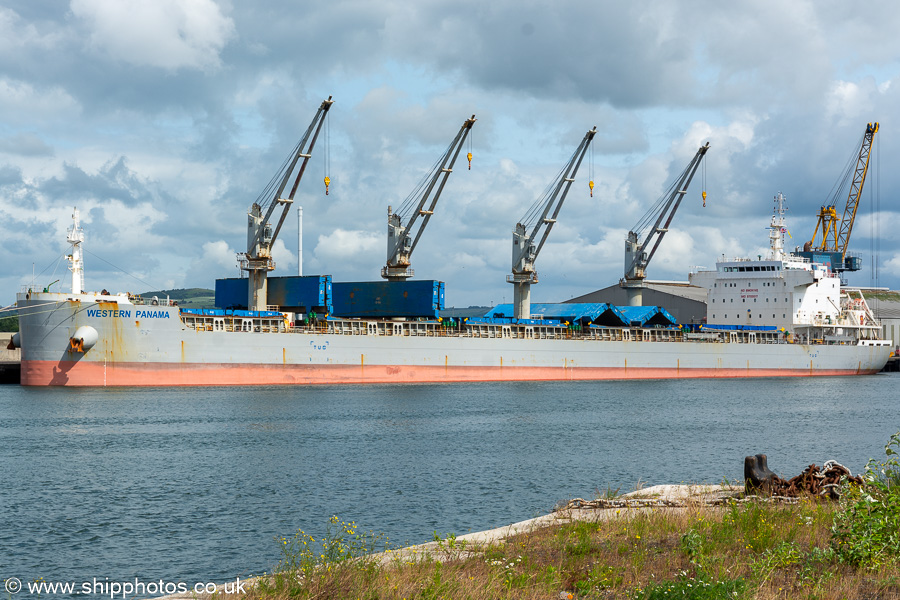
x=753, y=550
x=814, y=549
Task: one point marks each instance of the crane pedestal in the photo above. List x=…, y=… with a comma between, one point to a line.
x=634, y=291
x=257, y=285
x=257, y=280
x=522, y=293
x=399, y=273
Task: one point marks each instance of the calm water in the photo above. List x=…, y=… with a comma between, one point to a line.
x=194, y=484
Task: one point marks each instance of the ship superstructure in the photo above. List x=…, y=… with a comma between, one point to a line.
x=785, y=291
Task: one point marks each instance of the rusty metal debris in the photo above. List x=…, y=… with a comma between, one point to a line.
x=814, y=481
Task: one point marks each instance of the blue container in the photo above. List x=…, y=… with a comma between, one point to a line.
x=303, y=293
x=231, y=293
x=297, y=294
x=385, y=299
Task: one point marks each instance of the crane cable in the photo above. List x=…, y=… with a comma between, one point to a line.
x=327, y=151
x=591, y=180
x=875, y=195
x=703, y=181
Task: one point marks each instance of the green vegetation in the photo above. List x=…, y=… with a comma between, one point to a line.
x=189, y=298
x=9, y=324
x=867, y=531
x=883, y=296
x=815, y=549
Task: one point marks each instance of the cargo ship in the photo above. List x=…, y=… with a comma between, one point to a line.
x=782, y=315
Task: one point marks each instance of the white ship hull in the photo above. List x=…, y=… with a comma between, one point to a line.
x=157, y=345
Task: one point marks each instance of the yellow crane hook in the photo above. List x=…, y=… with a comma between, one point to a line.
x=328, y=182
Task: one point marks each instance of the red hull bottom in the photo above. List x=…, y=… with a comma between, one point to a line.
x=82, y=373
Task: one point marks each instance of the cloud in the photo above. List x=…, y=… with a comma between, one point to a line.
x=285, y=260
x=162, y=121
x=165, y=33
x=215, y=258
x=343, y=251
x=19, y=98
x=25, y=144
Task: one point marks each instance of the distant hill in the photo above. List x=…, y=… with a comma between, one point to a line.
x=8, y=324
x=180, y=294
x=190, y=297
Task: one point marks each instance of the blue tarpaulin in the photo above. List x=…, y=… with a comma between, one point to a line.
x=593, y=313
x=644, y=316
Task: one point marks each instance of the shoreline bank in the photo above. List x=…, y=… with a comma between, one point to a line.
x=658, y=497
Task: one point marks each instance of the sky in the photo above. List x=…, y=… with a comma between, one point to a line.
x=162, y=122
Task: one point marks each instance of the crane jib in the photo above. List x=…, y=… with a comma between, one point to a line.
x=667, y=211
x=403, y=239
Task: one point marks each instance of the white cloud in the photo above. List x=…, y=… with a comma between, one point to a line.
x=170, y=34
x=284, y=258
x=343, y=250
x=217, y=259
x=892, y=265
x=849, y=101
x=25, y=102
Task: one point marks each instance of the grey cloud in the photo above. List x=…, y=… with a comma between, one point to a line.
x=25, y=144
x=202, y=144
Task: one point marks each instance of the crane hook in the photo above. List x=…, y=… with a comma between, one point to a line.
x=327, y=183
x=591, y=185
x=704, y=198
x=469, y=156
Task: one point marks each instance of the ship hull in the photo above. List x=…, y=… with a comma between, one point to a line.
x=144, y=346
x=63, y=373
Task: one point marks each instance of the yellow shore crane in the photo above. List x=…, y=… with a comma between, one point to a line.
x=836, y=232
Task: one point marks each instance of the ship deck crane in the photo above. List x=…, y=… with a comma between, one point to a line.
x=540, y=218
x=257, y=261
x=637, y=256
x=836, y=232
x=402, y=239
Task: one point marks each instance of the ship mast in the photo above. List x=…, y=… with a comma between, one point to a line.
x=76, y=258
x=776, y=229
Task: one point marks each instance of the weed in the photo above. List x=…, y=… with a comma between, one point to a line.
x=866, y=531
x=608, y=494
x=303, y=556
x=690, y=587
